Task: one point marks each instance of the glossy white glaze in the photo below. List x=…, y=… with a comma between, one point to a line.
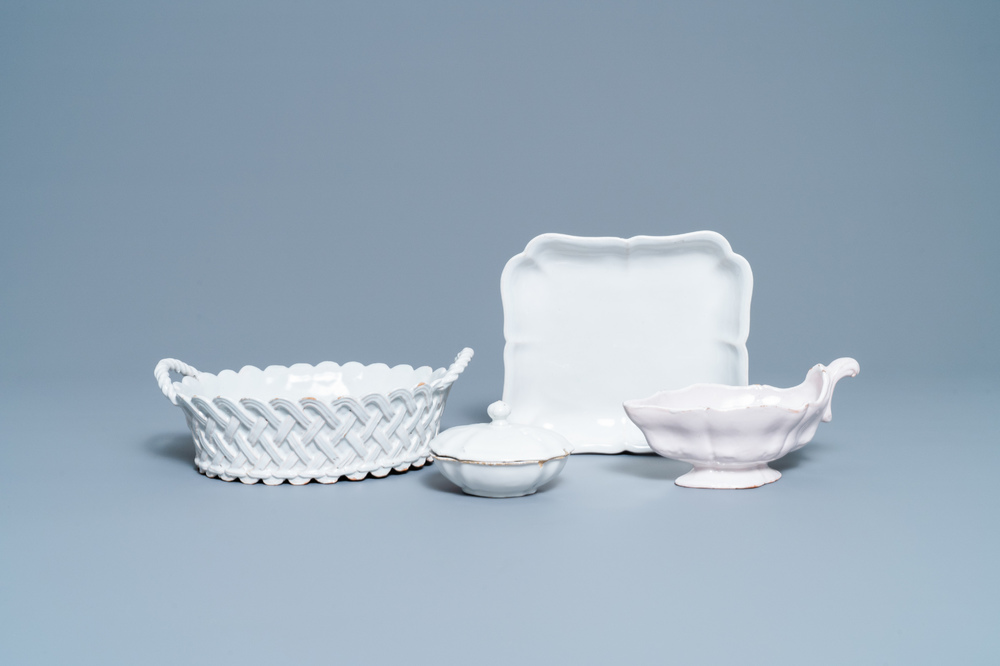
x=500, y=459
x=304, y=423
x=590, y=322
x=500, y=479
x=730, y=433
x=500, y=440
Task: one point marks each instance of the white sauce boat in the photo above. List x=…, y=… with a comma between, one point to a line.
x=730, y=433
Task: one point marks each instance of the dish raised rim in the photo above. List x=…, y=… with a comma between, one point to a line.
x=614, y=244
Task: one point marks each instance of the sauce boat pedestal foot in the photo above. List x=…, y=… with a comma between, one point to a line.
x=729, y=478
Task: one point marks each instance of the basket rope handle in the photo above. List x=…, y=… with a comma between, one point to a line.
x=455, y=369
x=162, y=374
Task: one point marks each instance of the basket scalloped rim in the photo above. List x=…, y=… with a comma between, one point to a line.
x=351, y=379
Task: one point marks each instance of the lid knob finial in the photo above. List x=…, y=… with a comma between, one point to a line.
x=499, y=411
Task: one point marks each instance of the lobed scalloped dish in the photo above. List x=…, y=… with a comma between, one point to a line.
x=730, y=433
x=511, y=478
x=500, y=459
x=303, y=423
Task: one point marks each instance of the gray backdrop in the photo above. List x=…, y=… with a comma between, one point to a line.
x=246, y=183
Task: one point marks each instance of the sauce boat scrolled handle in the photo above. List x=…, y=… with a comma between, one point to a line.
x=837, y=370
x=162, y=374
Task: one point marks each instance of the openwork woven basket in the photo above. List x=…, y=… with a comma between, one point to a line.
x=306, y=422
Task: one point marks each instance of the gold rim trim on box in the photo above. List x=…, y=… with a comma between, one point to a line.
x=503, y=463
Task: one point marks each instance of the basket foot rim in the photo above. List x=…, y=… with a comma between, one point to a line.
x=325, y=479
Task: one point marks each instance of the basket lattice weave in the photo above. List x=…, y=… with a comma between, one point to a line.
x=309, y=439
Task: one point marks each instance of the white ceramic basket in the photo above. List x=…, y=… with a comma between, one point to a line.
x=307, y=422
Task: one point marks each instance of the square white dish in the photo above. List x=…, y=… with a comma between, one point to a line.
x=591, y=322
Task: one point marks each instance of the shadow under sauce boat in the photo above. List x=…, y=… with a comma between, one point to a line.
x=304, y=422
x=730, y=433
